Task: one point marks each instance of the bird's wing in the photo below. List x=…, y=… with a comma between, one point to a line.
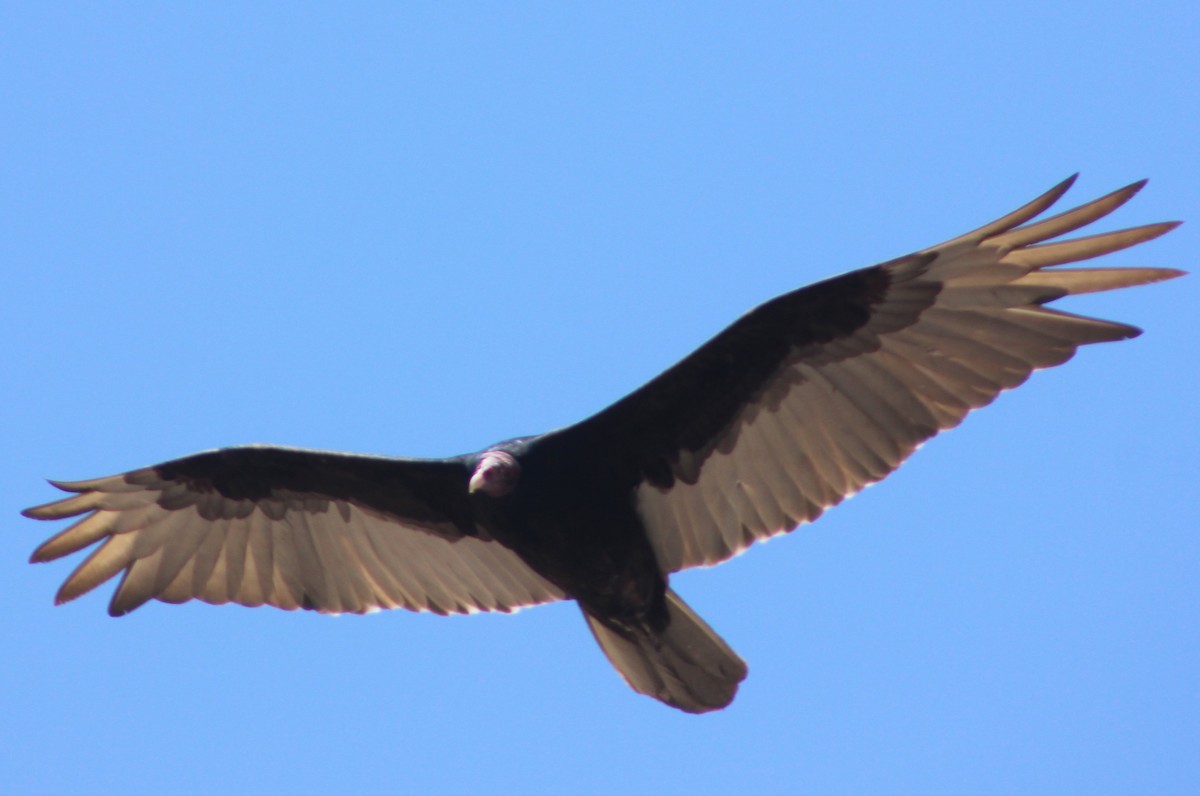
x=290, y=528
x=819, y=392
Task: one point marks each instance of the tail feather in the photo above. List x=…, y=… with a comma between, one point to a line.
x=686, y=665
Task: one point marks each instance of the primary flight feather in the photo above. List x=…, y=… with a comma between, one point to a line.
x=800, y=403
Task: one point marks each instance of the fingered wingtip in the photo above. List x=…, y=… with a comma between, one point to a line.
x=1054, y=194
x=38, y=512
x=72, y=486
x=1168, y=273
x=117, y=612
x=1160, y=229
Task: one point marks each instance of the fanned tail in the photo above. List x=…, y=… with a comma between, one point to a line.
x=686, y=665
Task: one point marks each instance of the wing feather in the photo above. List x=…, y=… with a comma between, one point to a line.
x=84, y=533
x=105, y=561
x=1019, y=216
x=289, y=528
x=825, y=474
x=1069, y=251
x=208, y=560
x=137, y=584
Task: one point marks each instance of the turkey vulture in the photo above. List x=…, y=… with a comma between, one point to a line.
x=799, y=404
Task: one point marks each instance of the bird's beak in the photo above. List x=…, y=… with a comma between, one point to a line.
x=477, y=481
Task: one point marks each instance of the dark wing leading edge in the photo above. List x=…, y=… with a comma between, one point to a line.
x=819, y=392
x=290, y=528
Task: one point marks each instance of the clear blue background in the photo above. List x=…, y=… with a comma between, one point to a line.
x=420, y=228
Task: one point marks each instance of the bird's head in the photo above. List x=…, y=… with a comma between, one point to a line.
x=496, y=474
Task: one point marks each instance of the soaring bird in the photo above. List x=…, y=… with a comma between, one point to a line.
x=800, y=403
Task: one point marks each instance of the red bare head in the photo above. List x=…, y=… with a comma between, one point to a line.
x=496, y=474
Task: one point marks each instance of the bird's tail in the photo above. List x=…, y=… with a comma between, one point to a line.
x=685, y=665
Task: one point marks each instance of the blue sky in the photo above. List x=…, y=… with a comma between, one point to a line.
x=417, y=229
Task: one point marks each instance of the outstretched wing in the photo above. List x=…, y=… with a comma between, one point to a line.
x=819, y=392
x=290, y=528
